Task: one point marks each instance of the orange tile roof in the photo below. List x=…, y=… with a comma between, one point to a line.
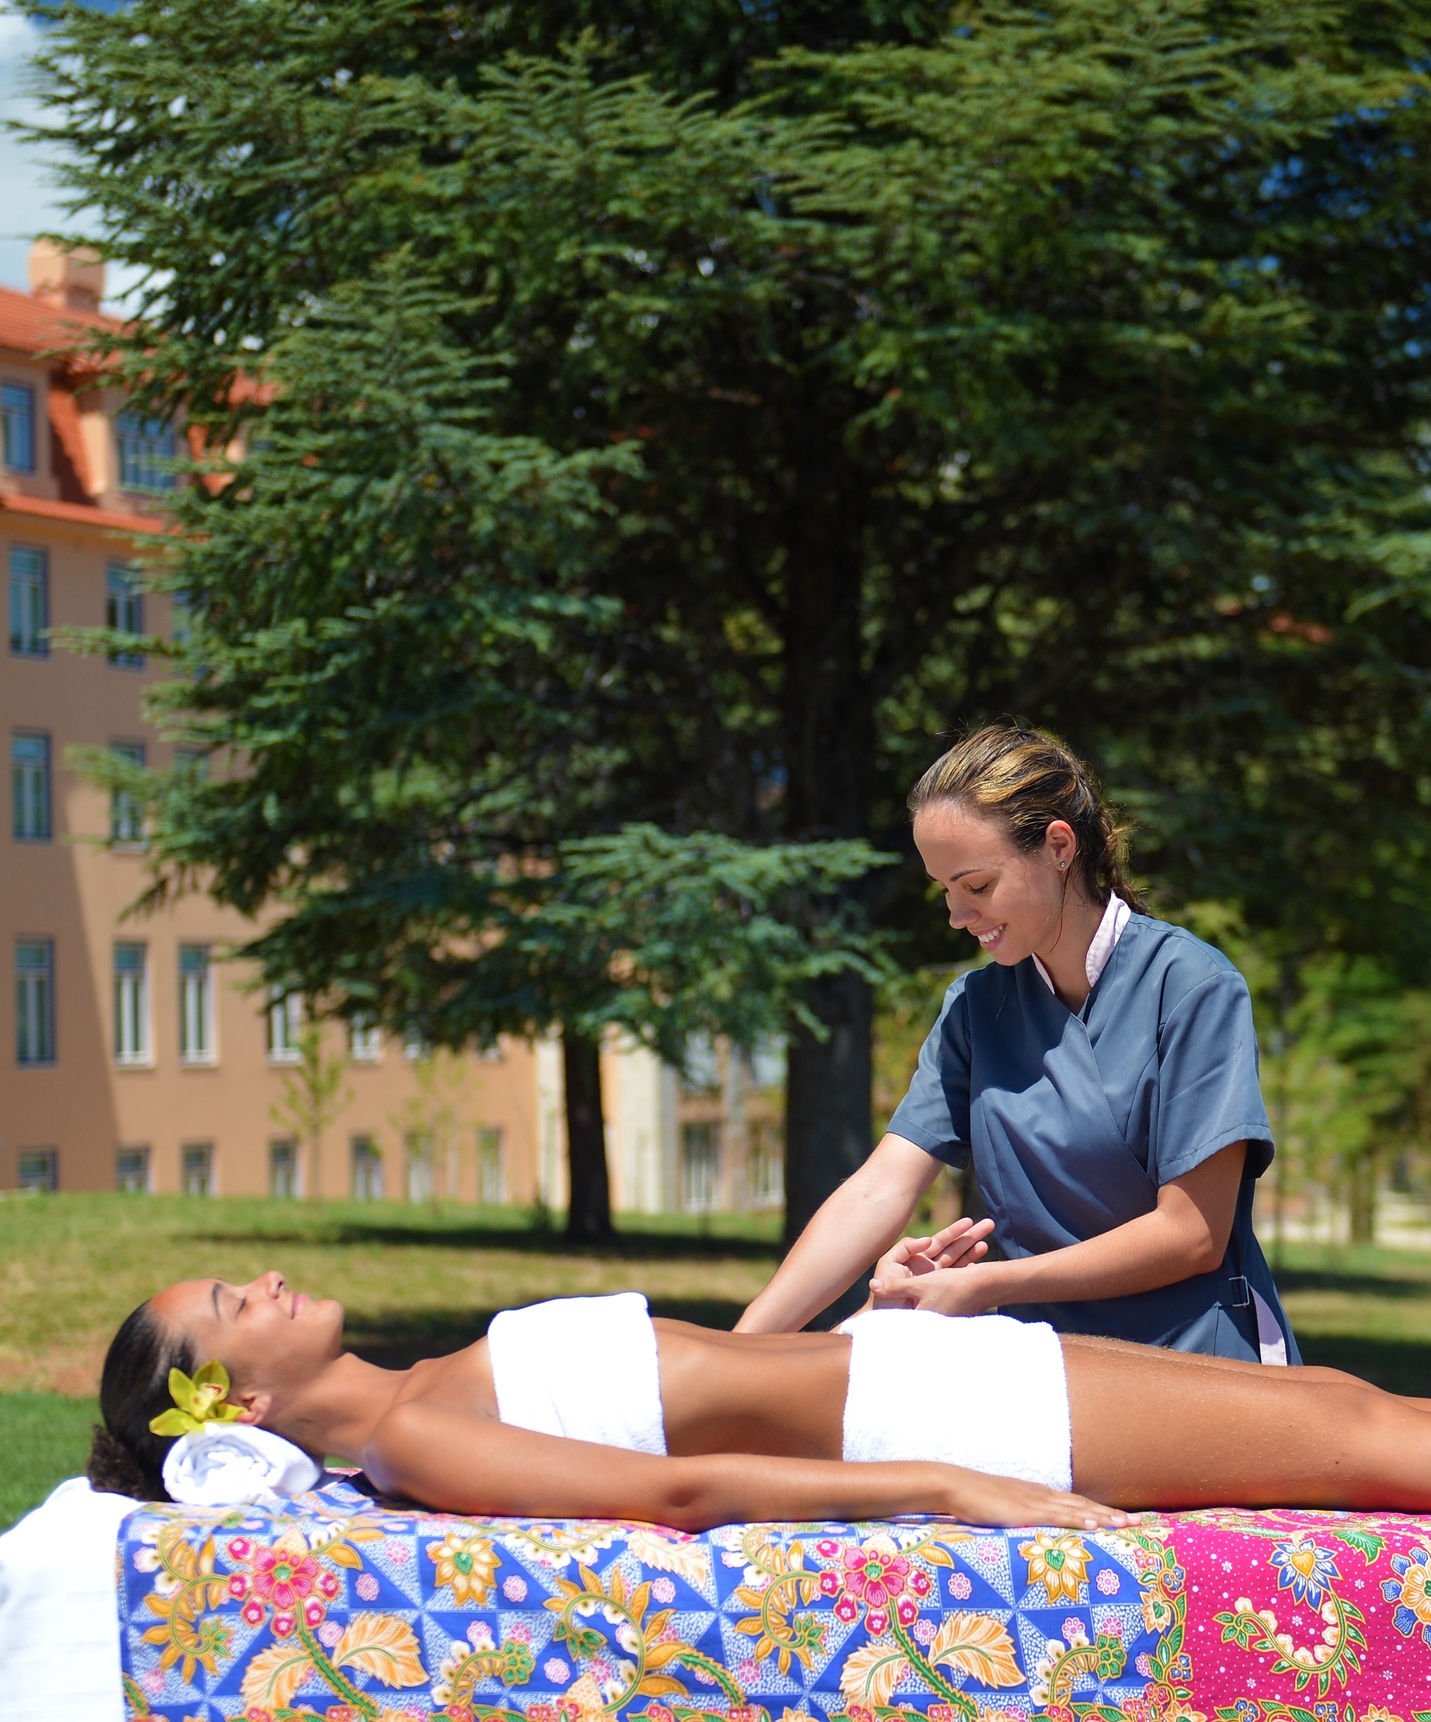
x=81, y=513
x=29, y=325
x=68, y=457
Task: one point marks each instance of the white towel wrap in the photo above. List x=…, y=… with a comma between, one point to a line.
x=986, y=1392
x=237, y=1465
x=583, y=1367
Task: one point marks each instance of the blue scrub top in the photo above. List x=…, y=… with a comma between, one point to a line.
x=1073, y=1121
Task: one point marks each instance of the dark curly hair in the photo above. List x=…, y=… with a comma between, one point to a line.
x=127, y=1458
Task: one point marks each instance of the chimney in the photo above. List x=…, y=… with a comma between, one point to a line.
x=72, y=278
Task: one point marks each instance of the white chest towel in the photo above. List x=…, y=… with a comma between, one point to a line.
x=582, y=1367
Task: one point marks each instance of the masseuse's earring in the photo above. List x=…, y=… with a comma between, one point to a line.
x=1062, y=865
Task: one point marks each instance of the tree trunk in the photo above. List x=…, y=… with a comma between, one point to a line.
x=588, y=1218
x=828, y=750
x=1362, y=1192
x=827, y=1132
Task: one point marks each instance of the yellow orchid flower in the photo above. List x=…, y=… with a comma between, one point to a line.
x=196, y=1402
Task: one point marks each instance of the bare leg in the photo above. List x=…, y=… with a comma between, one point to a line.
x=1162, y=1429
x=1200, y=1360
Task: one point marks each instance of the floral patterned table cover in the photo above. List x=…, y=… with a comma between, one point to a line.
x=342, y=1608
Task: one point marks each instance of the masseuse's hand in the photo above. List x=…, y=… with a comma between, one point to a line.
x=979, y=1499
x=949, y=1291
x=957, y=1247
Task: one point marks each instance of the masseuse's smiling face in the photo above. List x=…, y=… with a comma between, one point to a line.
x=1012, y=901
x=272, y=1341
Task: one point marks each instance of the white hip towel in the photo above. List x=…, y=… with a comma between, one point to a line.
x=985, y=1391
x=582, y=1367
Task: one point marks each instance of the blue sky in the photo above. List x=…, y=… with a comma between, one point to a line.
x=28, y=200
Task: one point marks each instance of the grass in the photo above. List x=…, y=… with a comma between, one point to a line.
x=1364, y=1310
x=45, y=1438
x=420, y=1280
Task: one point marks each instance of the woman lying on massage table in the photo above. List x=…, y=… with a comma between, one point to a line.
x=586, y=1407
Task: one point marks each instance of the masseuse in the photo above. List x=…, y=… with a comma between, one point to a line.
x=1100, y=1072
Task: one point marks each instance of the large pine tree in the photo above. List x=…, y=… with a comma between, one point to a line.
x=1064, y=361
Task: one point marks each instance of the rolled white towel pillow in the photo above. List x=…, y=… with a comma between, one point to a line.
x=237, y=1465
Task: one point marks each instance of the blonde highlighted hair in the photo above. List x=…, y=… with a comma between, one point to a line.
x=1027, y=779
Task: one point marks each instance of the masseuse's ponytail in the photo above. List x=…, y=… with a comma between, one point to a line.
x=127, y=1458
x=1028, y=779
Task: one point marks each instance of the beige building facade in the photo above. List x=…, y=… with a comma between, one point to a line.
x=133, y=1055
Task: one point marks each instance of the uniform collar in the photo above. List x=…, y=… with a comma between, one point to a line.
x=1110, y=929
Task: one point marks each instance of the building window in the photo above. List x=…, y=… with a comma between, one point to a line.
x=285, y=1024
x=196, y=1168
x=192, y=761
x=365, y=1041
x=124, y=613
x=283, y=1169
x=146, y=447
x=126, y=809
x=181, y=618
x=131, y=1171
x=491, y=1168
x=367, y=1170
x=17, y=407
x=421, y=1185
x=766, y=1168
x=35, y=1001
x=414, y=1048
x=40, y=1169
x=131, y=1004
x=196, y=1005
x=30, y=787
x=700, y=1167
x=29, y=602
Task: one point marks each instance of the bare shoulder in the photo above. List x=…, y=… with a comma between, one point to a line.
x=459, y=1382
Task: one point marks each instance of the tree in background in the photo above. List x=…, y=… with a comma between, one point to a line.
x=311, y=1098
x=429, y=1124
x=388, y=629
x=1067, y=361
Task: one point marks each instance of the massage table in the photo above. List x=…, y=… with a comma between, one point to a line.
x=341, y=1606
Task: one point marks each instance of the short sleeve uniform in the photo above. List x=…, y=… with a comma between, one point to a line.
x=1074, y=1120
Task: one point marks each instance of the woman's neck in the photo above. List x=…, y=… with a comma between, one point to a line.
x=1064, y=953
x=337, y=1413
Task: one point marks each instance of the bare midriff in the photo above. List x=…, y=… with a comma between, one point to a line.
x=778, y=1393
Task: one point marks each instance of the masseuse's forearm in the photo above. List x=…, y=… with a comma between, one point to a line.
x=1138, y=1256
x=855, y=1226
x=1186, y=1234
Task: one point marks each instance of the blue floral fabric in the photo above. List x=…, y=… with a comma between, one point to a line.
x=341, y=1607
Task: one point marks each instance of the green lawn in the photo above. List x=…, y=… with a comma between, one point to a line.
x=418, y=1280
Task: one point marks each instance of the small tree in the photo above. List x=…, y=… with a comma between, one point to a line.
x=312, y=1097
x=429, y=1123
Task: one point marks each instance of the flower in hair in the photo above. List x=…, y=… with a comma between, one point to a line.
x=197, y=1402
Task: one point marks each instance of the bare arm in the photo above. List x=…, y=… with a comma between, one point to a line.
x=854, y=1227
x=1185, y=1234
x=456, y=1462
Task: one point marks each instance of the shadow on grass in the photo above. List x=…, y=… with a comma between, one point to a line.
x=399, y=1340
x=625, y=1246
x=1350, y=1284
x=1398, y=1365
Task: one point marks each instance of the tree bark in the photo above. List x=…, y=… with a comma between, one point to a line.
x=828, y=752
x=588, y=1217
x=828, y=1111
